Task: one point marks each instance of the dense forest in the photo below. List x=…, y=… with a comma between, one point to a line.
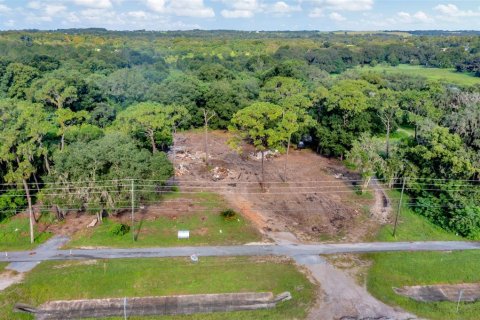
x=93, y=105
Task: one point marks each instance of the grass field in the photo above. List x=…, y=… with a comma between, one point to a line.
x=153, y=277
x=15, y=235
x=418, y=268
x=206, y=227
x=447, y=75
x=411, y=226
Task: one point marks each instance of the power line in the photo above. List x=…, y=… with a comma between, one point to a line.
x=334, y=180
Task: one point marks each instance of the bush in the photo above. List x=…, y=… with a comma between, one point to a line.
x=12, y=202
x=228, y=214
x=119, y=229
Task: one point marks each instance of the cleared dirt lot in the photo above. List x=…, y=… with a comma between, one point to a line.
x=316, y=202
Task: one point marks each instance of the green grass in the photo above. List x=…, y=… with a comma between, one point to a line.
x=437, y=74
x=420, y=268
x=398, y=269
x=154, y=277
x=3, y=265
x=411, y=226
x=206, y=227
x=15, y=235
x=395, y=137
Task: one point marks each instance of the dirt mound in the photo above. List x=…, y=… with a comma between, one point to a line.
x=316, y=202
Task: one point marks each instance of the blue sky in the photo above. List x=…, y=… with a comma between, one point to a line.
x=322, y=15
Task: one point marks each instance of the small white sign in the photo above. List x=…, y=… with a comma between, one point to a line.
x=183, y=234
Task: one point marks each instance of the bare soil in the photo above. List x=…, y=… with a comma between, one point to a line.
x=316, y=201
x=8, y=278
x=78, y=221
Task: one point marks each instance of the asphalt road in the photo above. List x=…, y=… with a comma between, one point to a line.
x=295, y=251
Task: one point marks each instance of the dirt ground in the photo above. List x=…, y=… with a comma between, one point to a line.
x=78, y=221
x=317, y=201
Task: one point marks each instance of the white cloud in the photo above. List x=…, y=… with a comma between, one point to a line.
x=345, y=5
x=54, y=9
x=4, y=9
x=417, y=17
x=140, y=14
x=281, y=8
x=95, y=4
x=451, y=10
x=156, y=5
x=335, y=16
x=316, y=13
x=190, y=8
x=241, y=8
x=187, y=8
x=45, y=11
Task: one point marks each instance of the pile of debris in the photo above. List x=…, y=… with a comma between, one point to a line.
x=181, y=170
x=267, y=154
x=220, y=173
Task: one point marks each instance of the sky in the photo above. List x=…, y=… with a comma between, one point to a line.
x=323, y=15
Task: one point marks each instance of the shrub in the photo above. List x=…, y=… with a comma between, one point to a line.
x=119, y=229
x=11, y=202
x=228, y=214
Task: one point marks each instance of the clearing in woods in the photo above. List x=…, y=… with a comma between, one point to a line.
x=316, y=203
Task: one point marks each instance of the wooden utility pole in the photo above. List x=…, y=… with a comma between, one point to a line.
x=399, y=207
x=286, y=159
x=174, y=131
x=207, y=117
x=132, y=195
x=30, y=210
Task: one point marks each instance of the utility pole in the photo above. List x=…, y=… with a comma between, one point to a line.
x=206, y=119
x=174, y=131
x=132, y=195
x=399, y=207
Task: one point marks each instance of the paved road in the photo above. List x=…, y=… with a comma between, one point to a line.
x=295, y=251
x=47, y=248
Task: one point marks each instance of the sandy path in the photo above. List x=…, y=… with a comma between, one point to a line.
x=8, y=278
x=343, y=298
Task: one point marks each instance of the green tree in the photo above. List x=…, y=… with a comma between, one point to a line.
x=350, y=97
x=388, y=110
x=17, y=79
x=152, y=120
x=54, y=92
x=96, y=175
x=259, y=124
x=293, y=97
x=364, y=155
x=419, y=105
x=24, y=126
x=125, y=86
x=67, y=118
